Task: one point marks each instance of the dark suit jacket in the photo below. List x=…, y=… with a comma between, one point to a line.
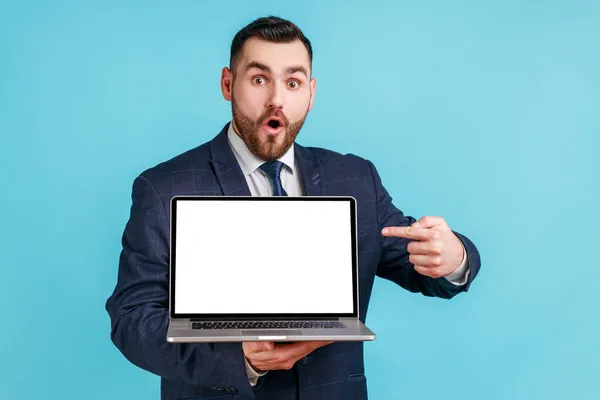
x=138, y=308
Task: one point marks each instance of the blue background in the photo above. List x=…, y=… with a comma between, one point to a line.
x=486, y=113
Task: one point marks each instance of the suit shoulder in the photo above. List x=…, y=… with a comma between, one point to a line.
x=196, y=159
x=347, y=161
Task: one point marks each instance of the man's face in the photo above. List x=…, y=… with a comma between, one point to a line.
x=271, y=93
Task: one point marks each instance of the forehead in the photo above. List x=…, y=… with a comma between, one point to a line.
x=277, y=56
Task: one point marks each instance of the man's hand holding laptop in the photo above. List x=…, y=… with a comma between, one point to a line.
x=268, y=356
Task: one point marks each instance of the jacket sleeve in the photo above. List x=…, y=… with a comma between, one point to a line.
x=138, y=307
x=394, y=264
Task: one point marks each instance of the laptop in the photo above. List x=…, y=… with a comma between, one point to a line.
x=246, y=268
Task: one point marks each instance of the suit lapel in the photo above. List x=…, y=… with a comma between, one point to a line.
x=227, y=170
x=311, y=172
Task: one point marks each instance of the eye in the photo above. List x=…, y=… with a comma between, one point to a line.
x=293, y=84
x=258, y=80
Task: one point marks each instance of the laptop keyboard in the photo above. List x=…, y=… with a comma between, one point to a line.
x=266, y=324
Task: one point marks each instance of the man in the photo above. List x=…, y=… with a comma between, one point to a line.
x=271, y=90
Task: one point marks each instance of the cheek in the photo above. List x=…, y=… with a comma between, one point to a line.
x=298, y=104
x=249, y=100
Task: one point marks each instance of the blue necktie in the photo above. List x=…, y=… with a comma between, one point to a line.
x=273, y=171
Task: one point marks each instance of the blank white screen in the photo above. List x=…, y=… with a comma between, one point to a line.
x=244, y=256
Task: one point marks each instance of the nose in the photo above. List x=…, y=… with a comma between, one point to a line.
x=276, y=97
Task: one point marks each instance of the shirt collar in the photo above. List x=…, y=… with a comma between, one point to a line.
x=250, y=162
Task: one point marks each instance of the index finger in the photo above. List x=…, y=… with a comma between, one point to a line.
x=409, y=232
x=300, y=349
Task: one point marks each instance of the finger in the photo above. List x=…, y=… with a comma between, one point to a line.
x=271, y=356
x=319, y=343
x=265, y=346
x=410, y=232
x=425, y=248
x=285, y=355
x=432, y=272
x=258, y=347
x=297, y=350
x=425, y=261
x=430, y=222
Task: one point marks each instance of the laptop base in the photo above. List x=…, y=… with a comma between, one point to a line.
x=180, y=331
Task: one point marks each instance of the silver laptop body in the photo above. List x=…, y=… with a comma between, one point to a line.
x=264, y=269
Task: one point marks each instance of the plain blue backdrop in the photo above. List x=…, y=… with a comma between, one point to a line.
x=489, y=111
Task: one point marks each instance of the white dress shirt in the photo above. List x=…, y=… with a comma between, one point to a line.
x=258, y=182
x=260, y=185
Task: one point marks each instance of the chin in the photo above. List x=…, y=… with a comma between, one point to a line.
x=270, y=152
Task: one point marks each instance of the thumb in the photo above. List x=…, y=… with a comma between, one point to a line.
x=265, y=346
x=428, y=222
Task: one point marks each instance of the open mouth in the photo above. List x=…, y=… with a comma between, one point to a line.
x=274, y=123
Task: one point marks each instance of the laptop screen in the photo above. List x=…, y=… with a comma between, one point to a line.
x=263, y=255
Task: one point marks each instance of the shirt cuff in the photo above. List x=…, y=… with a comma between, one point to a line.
x=460, y=276
x=252, y=374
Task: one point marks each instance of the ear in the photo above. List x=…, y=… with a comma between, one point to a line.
x=226, y=83
x=313, y=89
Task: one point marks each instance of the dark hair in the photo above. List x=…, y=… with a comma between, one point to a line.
x=272, y=29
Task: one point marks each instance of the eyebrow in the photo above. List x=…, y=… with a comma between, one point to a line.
x=289, y=70
x=296, y=68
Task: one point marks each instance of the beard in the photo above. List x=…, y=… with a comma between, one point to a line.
x=269, y=149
